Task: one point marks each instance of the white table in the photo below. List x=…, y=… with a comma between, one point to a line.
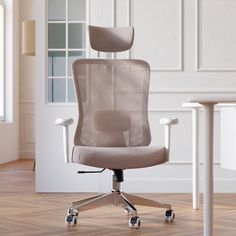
x=228, y=136
x=195, y=151
x=207, y=102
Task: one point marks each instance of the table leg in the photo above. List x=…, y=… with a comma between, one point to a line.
x=208, y=169
x=195, y=145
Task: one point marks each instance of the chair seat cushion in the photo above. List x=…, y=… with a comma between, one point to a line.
x=119, y=157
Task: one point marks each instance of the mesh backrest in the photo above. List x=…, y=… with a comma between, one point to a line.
x=112, y=97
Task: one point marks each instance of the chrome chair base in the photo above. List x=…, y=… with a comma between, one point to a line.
x=117, y=198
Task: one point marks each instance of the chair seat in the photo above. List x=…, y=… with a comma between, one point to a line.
x=119, y=157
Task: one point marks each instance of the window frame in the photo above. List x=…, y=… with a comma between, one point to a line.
x=67, y=50
x=2, y=65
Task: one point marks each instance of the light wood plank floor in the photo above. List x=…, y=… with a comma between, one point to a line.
x=26, y=213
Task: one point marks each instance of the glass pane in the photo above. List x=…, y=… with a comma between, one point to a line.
x=77, y=10
x=56, y=90
x=71, y=91
x=56, y=35
x=56, y=10
x=77, y=35
x=72, y=56
x=56, y=63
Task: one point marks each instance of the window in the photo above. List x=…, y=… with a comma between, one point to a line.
x=67, y=41
x=2, y=35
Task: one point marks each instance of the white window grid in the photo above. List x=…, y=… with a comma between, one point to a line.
x=67, y=77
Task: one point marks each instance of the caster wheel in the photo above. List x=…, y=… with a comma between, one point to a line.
x=134, y=222
x=72, y=212
x=71, y=220
x=169, y=216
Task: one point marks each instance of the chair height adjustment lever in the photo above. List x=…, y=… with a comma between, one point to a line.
x=91, y=172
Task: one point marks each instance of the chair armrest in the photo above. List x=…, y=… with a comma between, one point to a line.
x=168, y=122
x=65, y=123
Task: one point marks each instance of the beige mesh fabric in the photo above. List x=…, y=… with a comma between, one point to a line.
x=112, y=97
x=110, y=39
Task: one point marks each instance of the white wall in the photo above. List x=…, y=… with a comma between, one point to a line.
x=9, y=130
x=190, y=46
x=27, y=90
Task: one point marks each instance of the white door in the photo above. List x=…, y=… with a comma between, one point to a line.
x=61, y=38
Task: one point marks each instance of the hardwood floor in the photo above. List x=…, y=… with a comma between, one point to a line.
x=26, y=213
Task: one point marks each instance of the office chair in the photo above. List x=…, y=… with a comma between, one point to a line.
x=113, y=130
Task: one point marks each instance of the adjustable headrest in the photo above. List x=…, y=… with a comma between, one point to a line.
x=108, y=39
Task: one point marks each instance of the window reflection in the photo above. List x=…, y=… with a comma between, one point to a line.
x=76, y=35
x=71, y=91
x=56, y=35
x=56, y=90
x=66, y=43
x=56, y=10
x=56, y=63
x=72, y=56
x=77, y=10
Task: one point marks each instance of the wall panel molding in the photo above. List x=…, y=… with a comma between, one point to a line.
x=177, y=111
x=27, y=102
x=199, y=41
x=179, y=66
x=192, y=91
x=27, y=155
x=29, y=132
